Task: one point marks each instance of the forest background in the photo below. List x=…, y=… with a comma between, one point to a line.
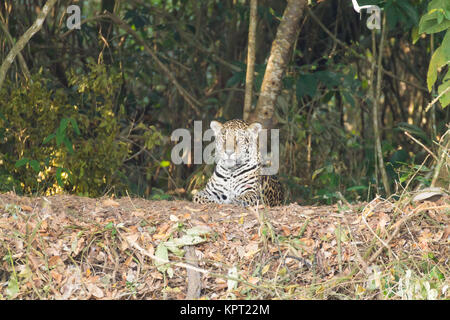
x=90, y=111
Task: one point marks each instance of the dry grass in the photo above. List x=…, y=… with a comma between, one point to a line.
x=68, y=247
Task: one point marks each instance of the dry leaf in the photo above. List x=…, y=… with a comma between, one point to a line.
x=265, y=269
x=159, y=236
x=56, y=276
x=447, y=232
x=253, y=280
x=94, y=290
x=132, y=238
x=54, y=261
x=192, y=209
x=251, y=249
x=187, y=216
x=27, y=208
x=110, y=203
x=220, y=281
x=138, y=213
x=384, y=219
x=163, y=228
x=286, y=230
x=157, y=275
x=128, y=261
x=44, y=226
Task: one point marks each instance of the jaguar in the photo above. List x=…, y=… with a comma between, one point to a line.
x=237, y=177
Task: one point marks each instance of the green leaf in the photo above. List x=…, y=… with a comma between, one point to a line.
x=21, y=162
x=75, y=126
x=435, y=20
x=440, y=58
x=409, y=11
x=109, y=226
x=68, y=144
x=392, y=14
x=415, y=34
x=26, y=273
x=316, y=172
x=59, y=137
x=328, y=78
x=439, y=4
x=306, y=85
x=13, y=287
x=198, y=231
x=185, y=240
x=35, y=165
x=162, y=253
x=445, y=98
x=237, y=77
x=63, y=124
x=50, y=137
x=58, y=176
x=164, y=164
x=414, y=130
x=357, y=188
x=348, y=97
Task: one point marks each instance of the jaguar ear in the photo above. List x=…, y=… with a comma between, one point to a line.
x=216, y=126
x=255, y=128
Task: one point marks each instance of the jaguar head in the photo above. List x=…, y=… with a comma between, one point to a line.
x=236, y=143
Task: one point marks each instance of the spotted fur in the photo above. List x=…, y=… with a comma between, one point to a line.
x=237, y=177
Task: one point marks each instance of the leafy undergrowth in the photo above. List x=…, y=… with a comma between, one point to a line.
x=69, y=247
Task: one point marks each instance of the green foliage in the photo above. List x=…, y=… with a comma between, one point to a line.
x=100, y=154
x=31, y=114
x=401, y=13
x=437, y=19
x=37, y=135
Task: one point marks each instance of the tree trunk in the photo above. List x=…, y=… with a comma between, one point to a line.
x=250, y=58
x=277, y=63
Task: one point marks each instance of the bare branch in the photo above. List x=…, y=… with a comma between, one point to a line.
x=183, y=92
x=20, y=44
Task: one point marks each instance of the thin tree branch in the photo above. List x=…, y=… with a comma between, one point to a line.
x=23, y=64
x=440, y=163
x=20, y=44
x=376, y=105
x=421, y=144
x=359, y=55
x=98, y=17
x=436, y=99
x=183, y=92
